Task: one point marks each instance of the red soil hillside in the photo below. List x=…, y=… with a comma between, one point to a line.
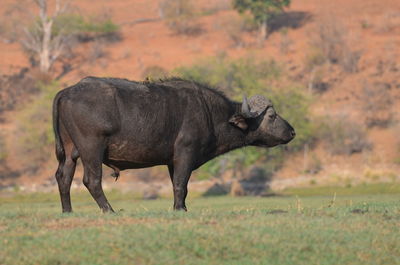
x=368, y=26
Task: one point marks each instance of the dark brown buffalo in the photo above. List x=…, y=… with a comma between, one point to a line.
x=174, y=122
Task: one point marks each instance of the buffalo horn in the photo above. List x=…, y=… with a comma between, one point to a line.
x=255, y=106
x=245, y=108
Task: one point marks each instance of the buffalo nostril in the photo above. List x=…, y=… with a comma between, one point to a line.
x=293, y=133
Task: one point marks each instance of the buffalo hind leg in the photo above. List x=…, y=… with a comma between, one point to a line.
x=64, y=176
x=92, y=177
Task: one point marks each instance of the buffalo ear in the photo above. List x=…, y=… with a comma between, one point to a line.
x=239, y=121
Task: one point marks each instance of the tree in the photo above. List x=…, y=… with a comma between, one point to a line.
x=262, y=11
x=50, y=36
x=41, y=40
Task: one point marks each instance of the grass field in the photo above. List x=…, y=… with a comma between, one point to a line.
x=346, y=229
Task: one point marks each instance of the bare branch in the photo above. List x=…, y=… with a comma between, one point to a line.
x=57, y=48
x=43, y=43
x=22, y=10
x=40, y=39
x=60, y=8
x=32, y=41
x=42, y=4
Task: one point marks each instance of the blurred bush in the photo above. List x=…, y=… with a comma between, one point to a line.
x=10, y=97
x=234, y=77
x=4, y=170
x=154, y=72
x=344, y=136
x=34, y=129
x=377, y=104
x=251, y=76
x=262, y=12
x=314, y=57
x=313, y=165
x=3, y=149
x=332, y=39
x=396, y=160
x=180, y=16
x=76, y=24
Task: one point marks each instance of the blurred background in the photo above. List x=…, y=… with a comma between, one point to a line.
x=331, y=68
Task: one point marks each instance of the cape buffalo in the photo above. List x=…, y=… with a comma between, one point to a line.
x=179, y=123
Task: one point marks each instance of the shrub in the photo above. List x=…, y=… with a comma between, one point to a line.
x=262, y=11
x=293, y=104
x=396, y=160
x=77, y=24
x=78, y=28
x=313, y=165
x=3, y=150
x=213, y=168
x=180, y=16
x=315, y=57
x=344, y=136
x=154, y=72
x=34, y=129
x=349, y=60
x=8, y=26
x=388, y=22
x=377, y=104
x=4, y=170
x=16, y=89
x=285, y=42
x=333, y=40
x=234, y=27
x=330, y=39
x=365, y=23
x=249, y=24
x=96, y=51
x=233, y=77
x=316, y=82
x=255, y=183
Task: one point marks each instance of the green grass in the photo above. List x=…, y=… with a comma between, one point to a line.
x=354, y=229
x=364, y=189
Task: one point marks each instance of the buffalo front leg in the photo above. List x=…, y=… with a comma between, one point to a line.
x=182, y=170
x=171, y=172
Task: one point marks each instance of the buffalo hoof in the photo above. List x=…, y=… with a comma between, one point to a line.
x=183, y=208
x=107, y=211
x=67, y=210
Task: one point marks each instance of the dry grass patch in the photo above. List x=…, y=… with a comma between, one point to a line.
x=72, y=223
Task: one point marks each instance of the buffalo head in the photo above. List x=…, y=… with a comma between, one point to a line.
x=262, y=124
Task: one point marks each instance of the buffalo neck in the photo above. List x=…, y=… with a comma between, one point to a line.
x=228, y=136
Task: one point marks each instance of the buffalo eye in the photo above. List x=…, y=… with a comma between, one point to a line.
x=272, y=116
